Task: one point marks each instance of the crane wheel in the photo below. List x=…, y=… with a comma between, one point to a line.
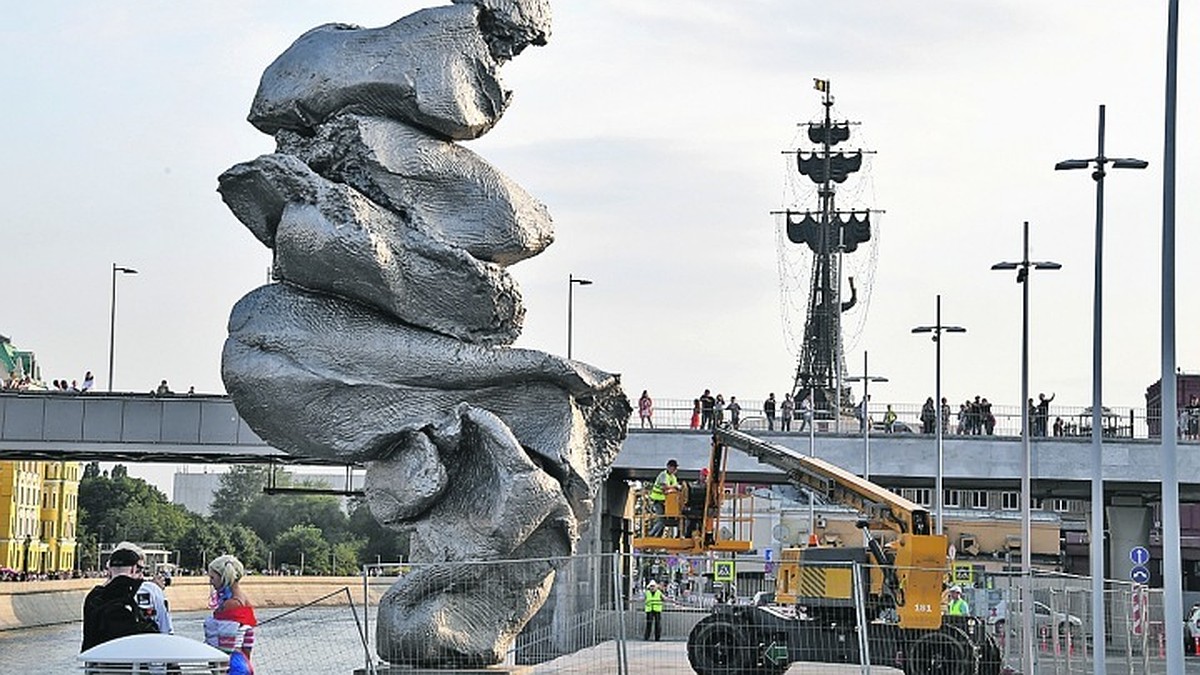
x=719, y=647
x=940, y=653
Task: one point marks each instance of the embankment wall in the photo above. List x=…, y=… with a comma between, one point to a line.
x=44, y=603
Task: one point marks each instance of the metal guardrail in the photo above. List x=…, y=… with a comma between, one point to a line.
x=1120, y=422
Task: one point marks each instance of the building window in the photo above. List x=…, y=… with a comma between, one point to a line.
x=979, y=499
x=951, y=498
x=921, y=496
x=1010, y=501
x=1060, y=505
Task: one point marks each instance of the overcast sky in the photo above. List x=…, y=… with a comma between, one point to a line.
x=654, y=132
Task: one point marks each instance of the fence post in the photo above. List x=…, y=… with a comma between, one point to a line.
x=619, y=607
x=860, y=609
x=367, y=611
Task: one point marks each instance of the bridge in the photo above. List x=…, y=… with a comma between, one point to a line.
x=207, y=429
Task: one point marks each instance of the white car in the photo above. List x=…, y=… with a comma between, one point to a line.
x=1191, y=630
x=1043, y=619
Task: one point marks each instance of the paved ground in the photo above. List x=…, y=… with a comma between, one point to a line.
x=670, y=658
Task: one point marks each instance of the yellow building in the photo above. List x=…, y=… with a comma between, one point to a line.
x=39, y=507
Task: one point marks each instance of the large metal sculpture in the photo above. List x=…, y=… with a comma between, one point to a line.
x=386, y=340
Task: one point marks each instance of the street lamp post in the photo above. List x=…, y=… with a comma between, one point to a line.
x=1022, y=269
x=867, y=378
x=112, y=320
x=571, y=282
x=937, y=330
x=1096, y=546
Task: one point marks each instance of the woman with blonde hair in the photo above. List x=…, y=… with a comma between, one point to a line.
x=231, y=626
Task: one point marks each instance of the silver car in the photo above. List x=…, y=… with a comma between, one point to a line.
x=1043, y=620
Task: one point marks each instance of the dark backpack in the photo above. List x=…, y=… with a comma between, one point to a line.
x=119, y=616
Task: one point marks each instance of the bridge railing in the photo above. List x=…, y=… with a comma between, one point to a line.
x=213, y=420
x=127, y=419
x=1062, y=421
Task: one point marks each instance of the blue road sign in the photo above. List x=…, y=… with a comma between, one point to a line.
x=1140, y=575
x=1138, y=555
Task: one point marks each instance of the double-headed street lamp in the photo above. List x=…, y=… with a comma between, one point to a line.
x=112, y=321
x=1023, y=267
x=866, y=378
x=1096, y=547
x=937, y=330
x=571, y=282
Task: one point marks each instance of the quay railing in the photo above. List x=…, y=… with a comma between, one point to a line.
x=1063, y=421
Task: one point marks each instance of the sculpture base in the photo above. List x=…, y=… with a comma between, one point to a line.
x=418, y=670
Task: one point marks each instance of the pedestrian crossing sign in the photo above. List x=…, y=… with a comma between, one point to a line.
x=723, y=570
x=964, y=574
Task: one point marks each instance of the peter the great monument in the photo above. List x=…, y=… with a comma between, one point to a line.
x=387, y=338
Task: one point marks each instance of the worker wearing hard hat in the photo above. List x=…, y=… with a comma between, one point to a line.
x=654, y=608
x=956, y=605
x=663, y=485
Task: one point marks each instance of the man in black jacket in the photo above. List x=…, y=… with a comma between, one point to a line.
x=111, y=611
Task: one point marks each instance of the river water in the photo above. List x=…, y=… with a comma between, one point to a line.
x=310, y=640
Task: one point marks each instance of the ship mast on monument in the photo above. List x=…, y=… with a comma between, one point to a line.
x=829, y=234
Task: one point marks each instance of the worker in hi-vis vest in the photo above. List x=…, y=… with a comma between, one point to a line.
x=957, y=606
x=664, y=484
x=654, y=606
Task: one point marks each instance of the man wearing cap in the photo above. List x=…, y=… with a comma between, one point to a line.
x=654, y=607
x=111, y=610
x=957, y=606
x=151, y=597
x=664, y=484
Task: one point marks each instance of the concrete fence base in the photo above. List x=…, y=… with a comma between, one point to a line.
x=44, y=603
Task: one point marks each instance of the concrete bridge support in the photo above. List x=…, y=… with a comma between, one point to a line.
x=1129, y=521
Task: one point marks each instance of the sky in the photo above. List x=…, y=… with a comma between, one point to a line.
x=656, y=134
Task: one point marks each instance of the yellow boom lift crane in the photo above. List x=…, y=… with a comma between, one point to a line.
x=814, y=616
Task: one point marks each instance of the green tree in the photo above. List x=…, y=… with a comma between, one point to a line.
x=239, y=488
x=303, y=545
x=247, y=546
x=347, y=557
x=117, y=507
x=202, y=541
x=272, y=515
x=379, y=543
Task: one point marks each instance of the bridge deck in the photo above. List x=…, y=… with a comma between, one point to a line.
x=208, y=429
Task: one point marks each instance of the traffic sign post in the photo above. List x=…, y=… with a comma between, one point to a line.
x=723, y=570
x=964, y=574
x=1139, y=575
x=1139, y=556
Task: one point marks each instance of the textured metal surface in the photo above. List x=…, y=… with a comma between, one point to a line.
x=384, y=343
x=432, y=68
x=443, y=188
x=330, y=238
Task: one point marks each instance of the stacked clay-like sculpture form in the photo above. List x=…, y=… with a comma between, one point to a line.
x=387, y=339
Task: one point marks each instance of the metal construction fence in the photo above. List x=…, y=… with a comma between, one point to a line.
x=594, y=621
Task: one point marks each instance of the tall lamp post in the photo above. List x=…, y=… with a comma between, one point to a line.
x=937, y=330
x=1022, y=269
x=112, y=320
x=1096, y=545
x=571, y=282
x=867, y=378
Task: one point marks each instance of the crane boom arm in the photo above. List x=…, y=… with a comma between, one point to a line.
x=883, y=507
